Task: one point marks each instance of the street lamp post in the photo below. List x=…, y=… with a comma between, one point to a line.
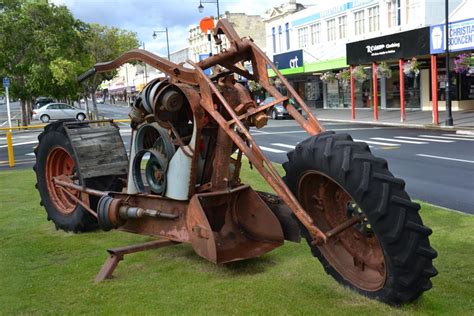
x=167, y=40
x=146, y=72
x=449, y=114
x=201, y=7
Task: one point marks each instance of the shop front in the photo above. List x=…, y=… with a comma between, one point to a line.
x=461, y=64
x=390, y=72
x=308, y=85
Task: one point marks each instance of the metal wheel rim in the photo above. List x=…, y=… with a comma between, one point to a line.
x=60, y=163
x=357, y=258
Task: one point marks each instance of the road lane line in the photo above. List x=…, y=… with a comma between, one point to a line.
x=445, y=158
x=284, y=145
x=425, y=139
x=460, y=135
x=272, y=150
x=446, y=137
x=257, y=133
x=376, y=143
x=19, y=144
x=399, y=140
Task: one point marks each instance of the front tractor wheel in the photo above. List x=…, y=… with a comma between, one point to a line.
x=379, y=246
x=55, y=159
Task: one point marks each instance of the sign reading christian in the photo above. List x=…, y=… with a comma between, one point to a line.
x=391, y=47
x=461, y=36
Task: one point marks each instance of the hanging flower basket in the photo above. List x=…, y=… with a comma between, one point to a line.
x=328, y=77
x=411, y=68
x=359, y=74
x=464, y=64
x=254, y=86
x=384, y=70
x=344, y=76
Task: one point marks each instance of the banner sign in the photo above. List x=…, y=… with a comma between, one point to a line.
x=293, y=59
x=461, y=36
x=390, y=47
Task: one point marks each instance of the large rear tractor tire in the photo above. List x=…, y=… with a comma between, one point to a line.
x=55, y=157
x=386, y=254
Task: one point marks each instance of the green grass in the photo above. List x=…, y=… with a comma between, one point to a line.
x=44, y=271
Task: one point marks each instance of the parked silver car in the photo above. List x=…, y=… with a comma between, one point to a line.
x=55, y=111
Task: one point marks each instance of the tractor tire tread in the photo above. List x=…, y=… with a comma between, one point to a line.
x=394, y=217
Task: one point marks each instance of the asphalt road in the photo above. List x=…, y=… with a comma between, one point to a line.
x=437, y=166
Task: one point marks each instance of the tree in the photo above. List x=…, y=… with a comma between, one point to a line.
x=104, y=44
x=39, y=45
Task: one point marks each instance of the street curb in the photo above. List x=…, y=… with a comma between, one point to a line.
x=419, y=126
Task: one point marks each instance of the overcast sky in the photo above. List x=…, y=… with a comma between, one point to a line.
x=145, y=16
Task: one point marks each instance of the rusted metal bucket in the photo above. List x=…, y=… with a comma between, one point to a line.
x=232, y=225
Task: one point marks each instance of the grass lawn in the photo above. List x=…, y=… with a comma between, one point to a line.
x=44, y=271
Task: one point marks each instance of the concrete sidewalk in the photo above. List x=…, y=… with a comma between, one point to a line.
x=419, y=119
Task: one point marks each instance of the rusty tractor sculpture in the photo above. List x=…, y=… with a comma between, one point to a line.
x=180, y=180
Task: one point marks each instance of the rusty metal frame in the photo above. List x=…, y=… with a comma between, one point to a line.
x=117, y=254
x=241, y=50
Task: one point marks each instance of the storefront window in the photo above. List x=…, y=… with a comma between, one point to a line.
x=412, y=90
x=467, y=87
x=314, y=93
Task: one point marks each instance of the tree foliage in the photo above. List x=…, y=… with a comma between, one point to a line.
x=103, y=44
x=43, y=49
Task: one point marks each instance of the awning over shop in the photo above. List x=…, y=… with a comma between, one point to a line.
x=396, y=46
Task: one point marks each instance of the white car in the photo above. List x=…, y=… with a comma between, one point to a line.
x=55, y=111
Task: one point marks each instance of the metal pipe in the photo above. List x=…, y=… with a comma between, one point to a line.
x=77, y=200
x=342, y=227
x=375, y=92
x=434, y=89
x=449, y=114
x=402, y=90
x=78, y=188
x=353, y=113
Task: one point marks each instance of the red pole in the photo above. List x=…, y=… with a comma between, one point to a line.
x=376, y=98
x=434, y=89
x=353, y=102
x=402, y=91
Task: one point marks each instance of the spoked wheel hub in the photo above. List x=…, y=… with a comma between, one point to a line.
x=353, y=249
x=59, y=163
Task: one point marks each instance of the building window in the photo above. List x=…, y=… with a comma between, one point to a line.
x=359, y=22
x=331, y=24
x=274, y=40
x=279, y=38
x=315, y=34
x=303, y=37
x=374, y=19
x=394, y=13
x=287, y=31
x=342, y=26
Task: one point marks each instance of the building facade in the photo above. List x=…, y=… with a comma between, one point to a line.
x=245, y=25
x=318, y=35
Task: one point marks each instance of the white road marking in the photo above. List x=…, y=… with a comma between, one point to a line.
x=256, y=133
x=376, y=143
x=272, y=150
x=446, y=137
x=19, y=144
x=284, y=145
x=460, y=135
x=445, y=158
x=399, y=140
x=425, y=139
x=30, y=154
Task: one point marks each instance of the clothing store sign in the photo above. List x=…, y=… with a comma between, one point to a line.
x=460, y=34
x=391, y=47
x=293, y=59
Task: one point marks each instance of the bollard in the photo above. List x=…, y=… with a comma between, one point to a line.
x=11, y=158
